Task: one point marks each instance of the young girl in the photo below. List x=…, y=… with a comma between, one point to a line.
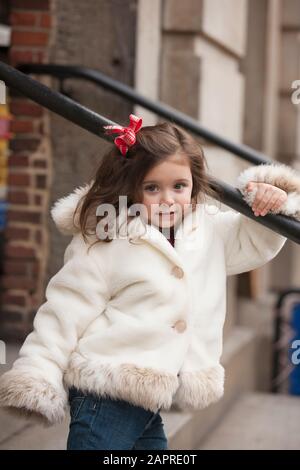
x=133, y=320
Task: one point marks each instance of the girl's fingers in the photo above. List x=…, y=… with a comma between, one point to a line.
x=268, y=197
x=277, y=203
x=268, y=207
x=263, y=200
x=258, y=197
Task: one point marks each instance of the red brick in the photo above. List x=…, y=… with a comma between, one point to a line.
x=40, y=57
x=17, y=57
x=29, y=38
x=18, y=197
x=28, y=216
x=15, y=267
x=24, y=144
x=21, y=126
x=45, y=20
x=16, y=233
x=25, y=108
x=15, y=251
x=19, y=300
x=18, y=161
x=18, y=282
x=30, y=4
x=35, y=56
x=18, y=179
x=21, y=18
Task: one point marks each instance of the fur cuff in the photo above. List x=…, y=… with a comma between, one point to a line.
x=199, y=389
x=25, y=395
x=278, y=175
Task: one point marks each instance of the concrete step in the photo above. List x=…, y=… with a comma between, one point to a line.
x=258, y=421
x=259, y=316
x=184, y=430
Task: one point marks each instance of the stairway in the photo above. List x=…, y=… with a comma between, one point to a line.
x=258, y=421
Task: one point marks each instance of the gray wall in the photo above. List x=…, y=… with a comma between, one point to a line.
x=98, y=34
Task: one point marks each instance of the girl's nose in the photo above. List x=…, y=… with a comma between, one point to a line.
x=167, y=198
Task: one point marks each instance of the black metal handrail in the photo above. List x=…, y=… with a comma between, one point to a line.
x=76, y=71
x=94, y=123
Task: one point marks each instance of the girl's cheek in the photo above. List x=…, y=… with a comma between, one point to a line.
x=187, y=198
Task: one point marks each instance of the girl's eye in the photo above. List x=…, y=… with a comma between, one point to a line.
x=150, y=187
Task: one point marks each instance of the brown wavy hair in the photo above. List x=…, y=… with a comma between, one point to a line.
x=118, y=175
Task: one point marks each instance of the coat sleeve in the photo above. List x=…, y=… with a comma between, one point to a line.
x=75, y=296
x=248, y=244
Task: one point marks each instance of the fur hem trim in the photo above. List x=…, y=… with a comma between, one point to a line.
x=32, y=397
x=145, y=387
x=199, y=389
x=278, y=175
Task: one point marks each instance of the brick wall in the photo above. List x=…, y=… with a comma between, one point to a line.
x=26, y=247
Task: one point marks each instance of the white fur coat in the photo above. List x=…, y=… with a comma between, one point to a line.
x=142, y=321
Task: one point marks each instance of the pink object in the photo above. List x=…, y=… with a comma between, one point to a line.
x=127, y=137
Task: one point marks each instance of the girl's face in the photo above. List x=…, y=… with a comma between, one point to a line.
x=166, y=191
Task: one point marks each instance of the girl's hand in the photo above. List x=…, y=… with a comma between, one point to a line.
x=268, y=197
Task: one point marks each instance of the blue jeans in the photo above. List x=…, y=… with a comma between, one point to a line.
x=99, y=423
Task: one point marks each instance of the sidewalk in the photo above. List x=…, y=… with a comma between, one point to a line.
x=258, y=421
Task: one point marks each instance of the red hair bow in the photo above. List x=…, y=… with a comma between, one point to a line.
x=127, y=137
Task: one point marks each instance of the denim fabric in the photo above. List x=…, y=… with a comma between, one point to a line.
x=106, y=424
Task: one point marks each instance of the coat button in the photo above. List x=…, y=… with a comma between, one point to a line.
x=180, y=326
x=177, y=272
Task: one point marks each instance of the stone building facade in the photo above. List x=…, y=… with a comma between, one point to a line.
x=227, y=63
